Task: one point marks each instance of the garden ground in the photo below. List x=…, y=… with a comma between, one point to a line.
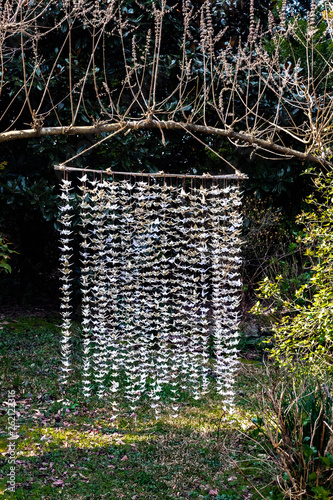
x=82, y=451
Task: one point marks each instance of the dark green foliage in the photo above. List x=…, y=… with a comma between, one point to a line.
x=5, y=252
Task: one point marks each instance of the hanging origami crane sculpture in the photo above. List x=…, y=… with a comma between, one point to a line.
x=160, y=285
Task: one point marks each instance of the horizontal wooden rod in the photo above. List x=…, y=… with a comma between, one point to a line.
x=64, y=168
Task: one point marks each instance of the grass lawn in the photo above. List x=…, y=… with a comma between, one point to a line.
x=83, y=452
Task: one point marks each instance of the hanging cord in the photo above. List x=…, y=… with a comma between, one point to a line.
x=94, y=145
x=212, y=150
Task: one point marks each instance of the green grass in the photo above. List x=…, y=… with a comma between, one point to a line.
x=83, y=452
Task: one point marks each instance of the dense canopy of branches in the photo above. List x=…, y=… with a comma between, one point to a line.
x=156, y=85
x=86, y=67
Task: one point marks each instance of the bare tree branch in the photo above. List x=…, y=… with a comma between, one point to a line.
x=99, y=128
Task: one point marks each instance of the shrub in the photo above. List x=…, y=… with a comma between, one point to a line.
x=303, y=320
x=291, y=439
x=296, y=424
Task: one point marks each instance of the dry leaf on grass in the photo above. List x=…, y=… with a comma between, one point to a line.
x=59, y=482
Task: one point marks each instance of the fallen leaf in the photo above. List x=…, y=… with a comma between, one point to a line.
x=124, y=458
x=214, y=492
x=59, y=482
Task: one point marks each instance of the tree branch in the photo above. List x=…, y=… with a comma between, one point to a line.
x=245, y=139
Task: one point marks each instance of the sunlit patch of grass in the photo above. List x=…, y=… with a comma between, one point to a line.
x=43, y=439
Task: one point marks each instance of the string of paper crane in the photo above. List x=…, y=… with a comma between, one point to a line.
x=160, y=283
